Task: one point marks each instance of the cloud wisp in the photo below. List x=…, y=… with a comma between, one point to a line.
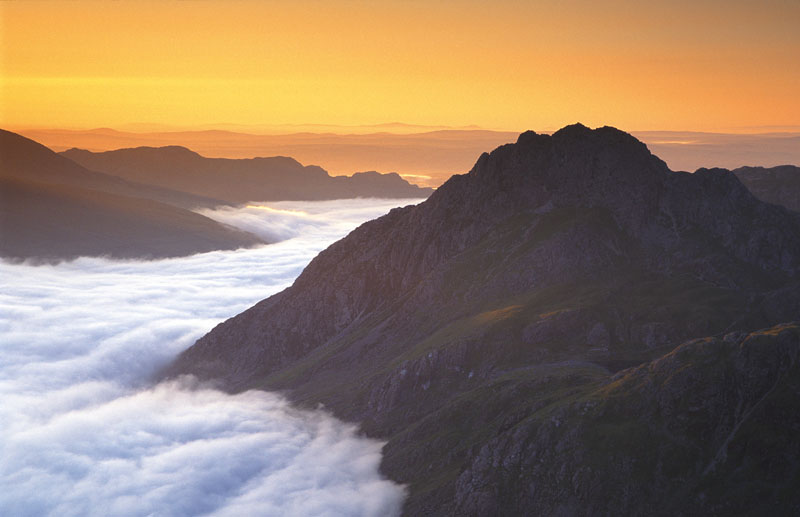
x=82, y=432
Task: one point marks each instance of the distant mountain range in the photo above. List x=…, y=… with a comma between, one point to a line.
x=52, y=208
x=242, y=180
x=133, y=203
x=428, y=157
x=570, y=328
x=424, y=155
x=23, y=158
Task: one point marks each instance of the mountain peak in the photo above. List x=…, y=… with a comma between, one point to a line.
x=169, y=150
x=608, y=137
x=602, y=148
x=576, y=166
x=25, y=157
x=576, y=128
x=486, y=309
x=527, y=137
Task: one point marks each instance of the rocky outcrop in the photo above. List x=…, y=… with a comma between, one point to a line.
x=708, y=429
x=555, y=262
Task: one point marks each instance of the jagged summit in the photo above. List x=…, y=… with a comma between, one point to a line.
x=576, y=206
x=610, y=172
x=573, y=151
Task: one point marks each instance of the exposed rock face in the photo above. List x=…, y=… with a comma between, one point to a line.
x=779, y=185
x=555, y=261
x=241, y=180
x=711, y=428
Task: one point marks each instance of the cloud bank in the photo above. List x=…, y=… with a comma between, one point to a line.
x=313, y=220
x=82, y=432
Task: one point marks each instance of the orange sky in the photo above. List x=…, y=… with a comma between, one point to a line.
x=508, y=64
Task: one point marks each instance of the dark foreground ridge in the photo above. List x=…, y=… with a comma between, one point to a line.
x=52, y=209
x=485, y=334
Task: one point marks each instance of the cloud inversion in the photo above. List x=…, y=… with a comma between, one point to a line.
x=82, y=432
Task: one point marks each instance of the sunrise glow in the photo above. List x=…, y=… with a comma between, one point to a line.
x=504, y=65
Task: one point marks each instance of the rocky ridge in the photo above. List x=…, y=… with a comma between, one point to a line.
x=708, y=429
x=779, y=185
x=558, y=259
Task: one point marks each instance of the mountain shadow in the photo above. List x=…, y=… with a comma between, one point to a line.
x=492, y=335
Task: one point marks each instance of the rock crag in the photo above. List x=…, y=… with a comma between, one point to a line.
x=514, y=336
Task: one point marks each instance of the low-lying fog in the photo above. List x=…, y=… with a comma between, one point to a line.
x=83, y=433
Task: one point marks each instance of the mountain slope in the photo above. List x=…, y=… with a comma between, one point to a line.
x=779, y=185
x=47, y=212
x=52, y=222
x=562, y=257
x=25, y=159
x=708, y=429
x=241, y=180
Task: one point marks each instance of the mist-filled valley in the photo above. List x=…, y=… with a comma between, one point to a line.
x=172, y=348
x=402, y=259
x=83, y=431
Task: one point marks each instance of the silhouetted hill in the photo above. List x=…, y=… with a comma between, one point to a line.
x=431, y=155
x=779, y=185
x=241, y=180
x=480, y=331
x=48, y=211
x=23, y=158
x=50, y=222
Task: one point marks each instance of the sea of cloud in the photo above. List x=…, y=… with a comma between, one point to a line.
x=84, y=432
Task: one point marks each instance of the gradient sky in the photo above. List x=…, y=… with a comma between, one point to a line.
x=683, y=65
